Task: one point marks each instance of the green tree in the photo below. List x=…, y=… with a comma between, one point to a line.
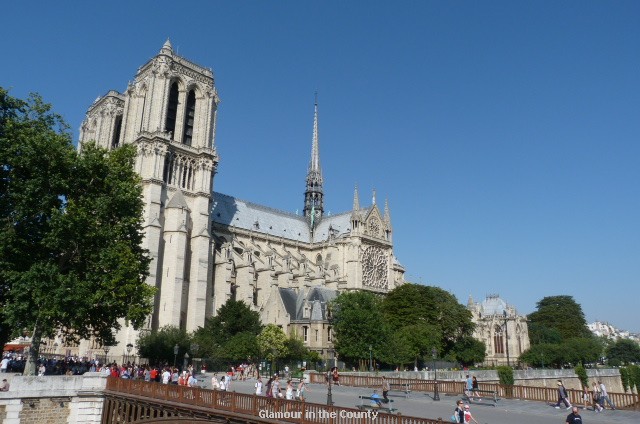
x=469, y=351
x=241, y=347
x=582, y=350
x=358, y=324
x=418, y=305
x=624, y=351
x=272, y=342
x=559, y=313
x=544, y=355
x=71, y=262
x=159, y=346
x=225, y=336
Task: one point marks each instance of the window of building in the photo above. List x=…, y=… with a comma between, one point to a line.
x=172, y=109
x=316, y=335
x=187, y=135
x=305, y=334
x=498, y=340
x=329, y=334
x=117, y=127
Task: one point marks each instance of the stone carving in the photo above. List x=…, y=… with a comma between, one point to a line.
x=375, y=271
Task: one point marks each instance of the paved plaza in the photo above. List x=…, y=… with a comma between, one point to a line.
x=420, y=404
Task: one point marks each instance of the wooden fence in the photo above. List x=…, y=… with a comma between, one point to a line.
x=235, y=404
x=543, y=394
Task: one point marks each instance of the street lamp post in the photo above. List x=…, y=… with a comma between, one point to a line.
x=436, y=395
x=506, y=335
x=176, y=348
x=329, y=395
x=370, y=359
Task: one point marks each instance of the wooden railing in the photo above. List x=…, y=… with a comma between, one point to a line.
x=235, y=404
x=544, y=394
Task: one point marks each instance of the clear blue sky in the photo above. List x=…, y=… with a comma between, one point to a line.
x=506, y=135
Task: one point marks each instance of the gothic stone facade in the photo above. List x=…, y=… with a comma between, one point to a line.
x=503, y=331
x=207, y=247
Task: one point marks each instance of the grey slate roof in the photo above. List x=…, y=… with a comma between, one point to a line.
x=231, y=211
x=317, y=298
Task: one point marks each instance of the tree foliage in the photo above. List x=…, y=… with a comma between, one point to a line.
x=158, y=346
x=623, y=351
x=272, y=342
x=469, y=351
x=433, y=316
x=359, y=324
x=71, y=261
x=230, y=336
x=505, y=375
x=559, y=314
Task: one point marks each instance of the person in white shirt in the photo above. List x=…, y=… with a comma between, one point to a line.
x=166, y=376
x=4, y=364
x=258, y=387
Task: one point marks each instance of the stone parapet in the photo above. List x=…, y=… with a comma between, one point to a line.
x=53, y=399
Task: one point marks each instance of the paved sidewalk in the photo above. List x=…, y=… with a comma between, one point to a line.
x=420, y=404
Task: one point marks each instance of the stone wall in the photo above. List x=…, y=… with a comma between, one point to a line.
x=537, y=378
x=53, y=399
x=44, y=411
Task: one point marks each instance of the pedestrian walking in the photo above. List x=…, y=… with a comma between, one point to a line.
x=458, y=413
x=563, y=396
x=604, y=396
x=467, y=415
x=474, y=386
x=595, y=395
x=385, y=388
x=258, y=386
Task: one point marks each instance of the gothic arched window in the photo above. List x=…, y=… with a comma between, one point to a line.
x=187, y=135
x=172, y=109
x=498, y=340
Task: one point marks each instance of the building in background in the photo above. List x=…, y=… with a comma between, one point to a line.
x=503, y=331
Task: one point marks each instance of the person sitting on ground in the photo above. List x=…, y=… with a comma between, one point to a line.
x=376, y=402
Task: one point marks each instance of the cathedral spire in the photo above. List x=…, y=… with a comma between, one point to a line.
x=313, y=195
x=167, y=48
x=373, y=200
x=356, y=199
x=387, y=214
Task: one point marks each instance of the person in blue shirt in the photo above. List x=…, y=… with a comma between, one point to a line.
x=376, y=401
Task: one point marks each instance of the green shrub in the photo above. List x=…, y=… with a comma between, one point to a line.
x=505, y=374
x=582, y=375
x=624, y=377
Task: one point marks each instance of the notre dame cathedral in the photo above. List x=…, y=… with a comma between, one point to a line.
x=207, y=247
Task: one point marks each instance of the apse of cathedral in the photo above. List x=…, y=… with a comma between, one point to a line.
x=207, y=247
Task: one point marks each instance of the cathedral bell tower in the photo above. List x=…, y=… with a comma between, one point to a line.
x=169, y=113
x=313, y=195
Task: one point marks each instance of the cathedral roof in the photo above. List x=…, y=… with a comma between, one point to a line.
x=493, y=305
x=231, y=211
x=316, y=299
